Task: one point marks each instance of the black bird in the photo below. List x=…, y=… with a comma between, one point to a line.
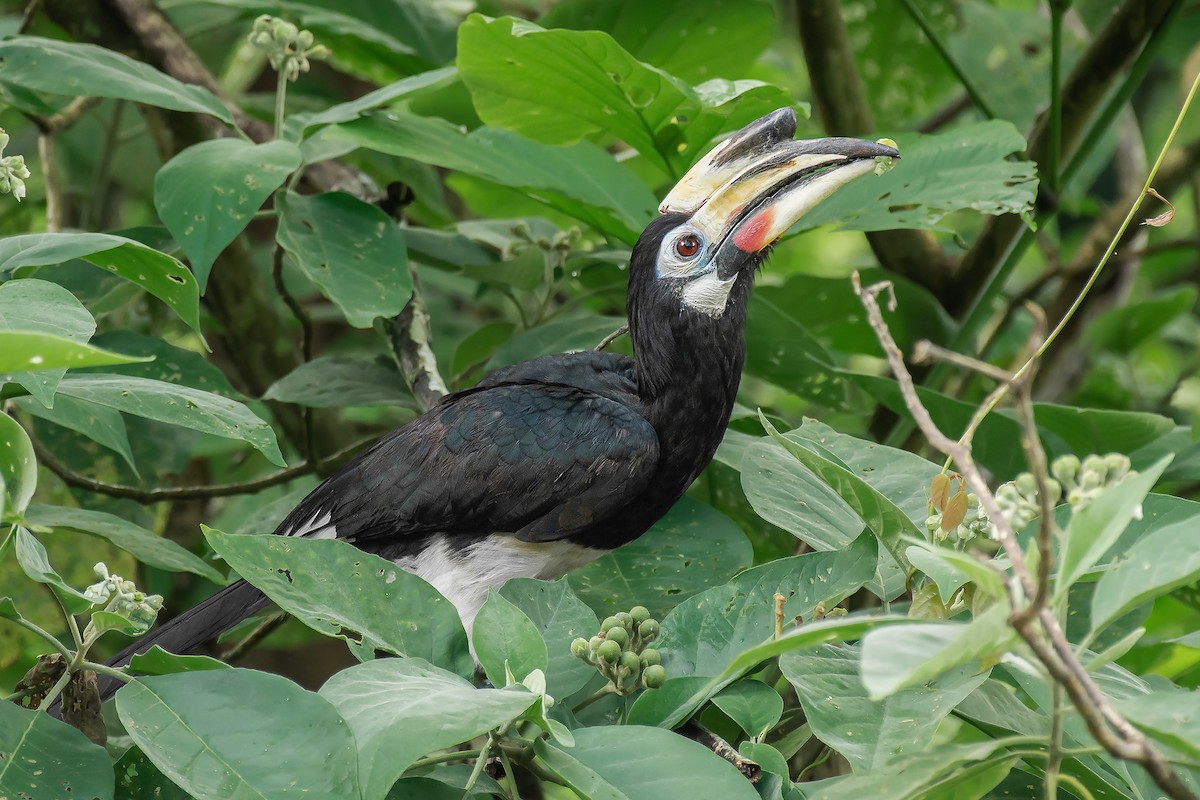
x=546, y=465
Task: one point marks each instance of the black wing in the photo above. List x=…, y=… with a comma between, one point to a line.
x=538, y=460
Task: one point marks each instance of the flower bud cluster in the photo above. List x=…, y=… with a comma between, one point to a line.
x=123, y=598
x=620, y=653
x=287, y=47
x=1019, y=502
x=1084, y=481
x=12, y=171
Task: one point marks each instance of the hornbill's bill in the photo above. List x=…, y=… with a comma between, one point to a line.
x=549, y=464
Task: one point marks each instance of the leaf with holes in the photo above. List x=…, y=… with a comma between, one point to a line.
x=207, y=194
x=47, y=759
x=34, y=306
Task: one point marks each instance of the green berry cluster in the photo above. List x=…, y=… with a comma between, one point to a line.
x=1084, y=481
x=288, y=48
x=620, y=653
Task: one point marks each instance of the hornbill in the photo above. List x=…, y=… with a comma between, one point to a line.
x=546, y=465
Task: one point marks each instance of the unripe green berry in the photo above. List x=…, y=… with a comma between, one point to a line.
x=595, y=642
x=639, y=614
x=579, y=648
x=650, y=657
x=625, y=620
x=654, y=676
x=618, y=635
x=648, y=630
x=609, y=623
x=609, y=652
x=1066, y=469
x=1026, y=484
x=631, y=662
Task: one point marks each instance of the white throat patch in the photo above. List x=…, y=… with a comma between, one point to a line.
x=708, y=294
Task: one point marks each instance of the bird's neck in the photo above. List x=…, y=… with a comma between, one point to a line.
x=689, y=365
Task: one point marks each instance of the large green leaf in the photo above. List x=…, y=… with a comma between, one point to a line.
x=582, y=180
x=402, y=708
x=900, y=656
x=47, y=759
x=959, y=769
x=139, y=779
x=780, y=349
x=561, y=617
x=145, y=546
x=297, y=124
x=85, y=70
x=1094, y=528
x=506, y=640
x=631, y=762
x=18, y=463
x=693, y=547
x=34, y=306
x=752, y=704
x=1068, y=429
x=157, y=273
x=104, y=426
x=238, y=733
x=176, y=405
x=694, y=39
x=337, y=589
x=1165, y=559
x=559, y=86
x=1172, y=716
x=207, y=194
x=871, y=733
x=963, y=168
x=336, y=381
x=351, y=250
x=559, y=336
x=22, y=353
x=705, y=633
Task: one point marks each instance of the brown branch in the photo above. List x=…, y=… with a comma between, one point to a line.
x=255, y=637
x=844, y=111
x=72, y=478
x=1036, y=624
x=409, y=334
x=612, y=337
x=750, y=769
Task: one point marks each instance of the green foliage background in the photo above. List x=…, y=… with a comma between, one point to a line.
x=205, y=306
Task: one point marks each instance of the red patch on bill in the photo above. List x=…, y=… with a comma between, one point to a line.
x=752, y=234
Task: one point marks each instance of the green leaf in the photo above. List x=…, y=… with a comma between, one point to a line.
x=240, y=733
x=145, y=546
x=1172, y=716
x=705, y=633
x=47, y=759
x=963, y=168
x=139, y=779
x=402, y=708
x=870, y=733
x=640, y=763
x=834, y=629
x=338, y=590
x=560, y=336
x=915, y=775
x=296, y=124
x=505, y=638
x=1165, y=559
x=945, y=575
x=561, y=617
x=753, y=705
x=582, y=180
x=1097, y=526
x=27, y=352
x=176, y=405
x=766, y=756
x=85, y=70
x=102, y=425
x=694, y=39
x=157, y=273
x=782, y=350
x=208, y=193
x=31, y=555
x=34, y=306
x=18, y=464
x=338, y=381
x=1068, y=429
x=351, y=250
x=157, y=661
x=689, y=549
x=900, y=656
x=1126, y=328
x=171, y=364
x=882, y=516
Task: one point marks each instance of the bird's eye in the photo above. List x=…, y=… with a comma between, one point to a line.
x=687, y=246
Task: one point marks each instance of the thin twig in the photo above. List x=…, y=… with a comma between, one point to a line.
x=255, y=637
x=27, y=17
x=926, y=352
x=50, y=183
x=959, y=72
x=72, y=478
x=612, y=337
